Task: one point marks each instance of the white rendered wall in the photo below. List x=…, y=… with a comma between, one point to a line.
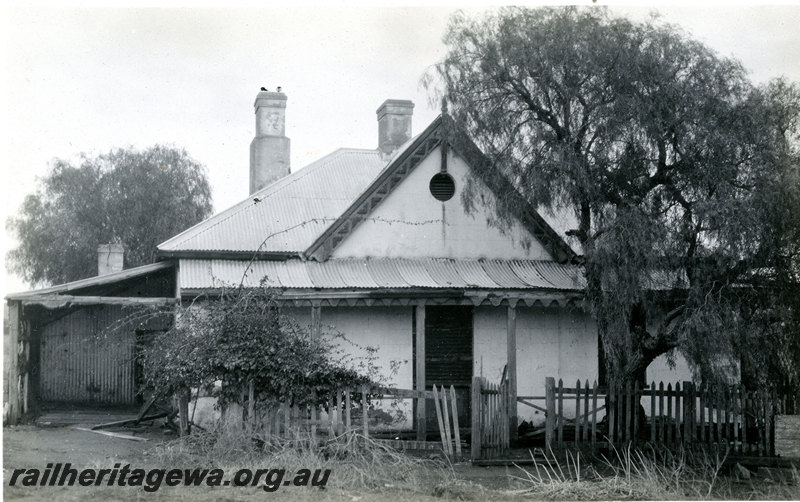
x=411, y=223
x=660, y=370
x=388, y=329
x=557, y=342
x=551, y=341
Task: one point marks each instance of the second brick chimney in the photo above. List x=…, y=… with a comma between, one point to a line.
x=109, y=258
x=394, y=124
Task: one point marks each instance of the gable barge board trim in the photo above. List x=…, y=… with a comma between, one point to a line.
x=392, y=176
x=442, y=131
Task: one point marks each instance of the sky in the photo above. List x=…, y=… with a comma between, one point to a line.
x=86, y=80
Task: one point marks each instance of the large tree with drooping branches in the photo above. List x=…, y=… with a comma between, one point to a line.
x=681, y=174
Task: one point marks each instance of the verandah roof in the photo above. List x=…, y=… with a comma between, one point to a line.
x=382, y=273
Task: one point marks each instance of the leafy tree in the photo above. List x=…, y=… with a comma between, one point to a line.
x=681, y=174
x=137, y=198
x=241, y=337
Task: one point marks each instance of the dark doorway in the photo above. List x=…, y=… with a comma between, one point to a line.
x=448, y=357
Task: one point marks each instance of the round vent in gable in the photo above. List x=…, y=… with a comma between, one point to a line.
x=442, y=186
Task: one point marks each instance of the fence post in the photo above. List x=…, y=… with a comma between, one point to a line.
x=456, y=431
x=441, y=417
x=585, y=418
x=628, y=411
x=183, y=411
x=347, y=406
x=611, y=411
x=653, y=411
x=476, y=418
x=339, y=421
x=365, y=411
x=702, y=406
x=251, y=406
x=635, y=410
x=594, y=417
x=560, y=415
x=685, y=412
x=577, y=412
x=769, y=423
x=550, y=406
x=313, y=432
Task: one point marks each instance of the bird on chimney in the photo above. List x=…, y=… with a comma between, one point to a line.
x=279, y=88
x=264, y=89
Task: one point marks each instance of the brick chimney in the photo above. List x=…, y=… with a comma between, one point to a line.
x=394, y=124
x=109, y=258
x=269, y=150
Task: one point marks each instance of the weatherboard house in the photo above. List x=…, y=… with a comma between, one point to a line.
x=374, y=243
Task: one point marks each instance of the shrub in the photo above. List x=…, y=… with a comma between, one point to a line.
x=241, y=337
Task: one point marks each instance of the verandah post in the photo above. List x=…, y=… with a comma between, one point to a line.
x=316, y=320
x=476, y=417
x=419, y=313
x=511, y=352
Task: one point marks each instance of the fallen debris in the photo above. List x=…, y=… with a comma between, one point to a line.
x=112, y=434
x=130, y=421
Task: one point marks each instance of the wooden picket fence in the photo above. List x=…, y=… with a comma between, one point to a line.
x=584, y=422
x=723, y=417
x=490, y=430
x=347, y=412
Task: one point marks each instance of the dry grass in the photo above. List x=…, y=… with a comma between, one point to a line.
x=357, y=464
x=648, y=474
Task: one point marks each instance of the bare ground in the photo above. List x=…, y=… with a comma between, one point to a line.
x=34, y=447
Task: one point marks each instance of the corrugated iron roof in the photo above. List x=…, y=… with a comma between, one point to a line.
x=99, y=280
x=289, y=214
x=382, y=273
x=293, y=214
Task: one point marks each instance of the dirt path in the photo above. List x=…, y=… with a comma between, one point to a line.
x=26, y=447
x=32, y=447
